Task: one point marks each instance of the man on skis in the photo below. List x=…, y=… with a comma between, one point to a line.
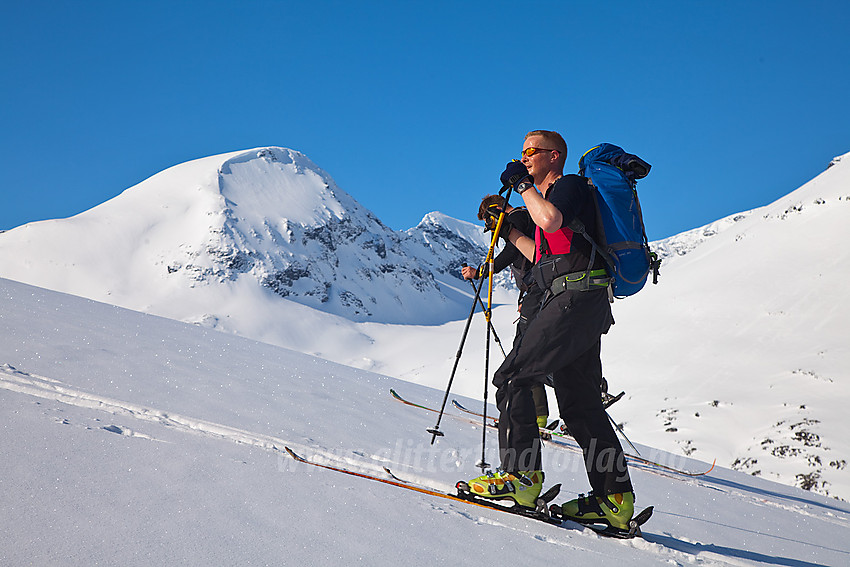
x=563, y=341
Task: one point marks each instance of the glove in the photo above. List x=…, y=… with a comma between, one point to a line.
x=493, y=212
x=514, y=173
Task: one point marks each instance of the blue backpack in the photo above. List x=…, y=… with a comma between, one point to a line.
x=614, y=175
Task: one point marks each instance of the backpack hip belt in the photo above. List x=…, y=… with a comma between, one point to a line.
x=580, y=281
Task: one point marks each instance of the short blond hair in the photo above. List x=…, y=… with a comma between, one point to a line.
x=555, y=140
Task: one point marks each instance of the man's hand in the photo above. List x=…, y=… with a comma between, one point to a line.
x=470, y=273
x=514, y=173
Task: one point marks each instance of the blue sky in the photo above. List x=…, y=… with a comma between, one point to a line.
x=415, y=107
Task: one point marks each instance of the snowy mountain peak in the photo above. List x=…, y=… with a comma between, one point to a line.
x=266, y=219
x=828, y=193
x=281, y=183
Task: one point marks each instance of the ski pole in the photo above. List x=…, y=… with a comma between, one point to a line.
x=483, y=464
x=492, y=328
x=623, y=433
x=490, y=266
x=435, y=431
x=487, y=312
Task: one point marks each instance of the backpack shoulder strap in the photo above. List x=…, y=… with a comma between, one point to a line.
x=577, y=226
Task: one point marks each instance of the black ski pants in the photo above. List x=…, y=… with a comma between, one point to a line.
x=562, y=340
x=528, y=309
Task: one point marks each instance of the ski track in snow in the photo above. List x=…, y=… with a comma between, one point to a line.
x=47, y=388
x=667, y=547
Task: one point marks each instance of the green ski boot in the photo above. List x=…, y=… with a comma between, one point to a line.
x=616, y=510
x=523, y=487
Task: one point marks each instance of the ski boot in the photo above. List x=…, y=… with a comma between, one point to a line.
x=615, y=510
x=522, y=487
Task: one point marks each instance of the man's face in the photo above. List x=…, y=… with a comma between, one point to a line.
x=538, y=162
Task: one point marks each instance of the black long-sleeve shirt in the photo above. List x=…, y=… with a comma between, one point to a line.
x=510, y=255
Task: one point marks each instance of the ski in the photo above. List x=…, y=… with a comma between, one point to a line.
x=392, y=480
x=464, y=409
x=563, y=440
x=692, y=474
x=409, y=403
x=541, y=513
x=396, y=396
x=545, y=432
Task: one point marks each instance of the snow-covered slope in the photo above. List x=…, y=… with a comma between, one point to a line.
x=135, y=440
x=741, y=352
x=220, y=240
